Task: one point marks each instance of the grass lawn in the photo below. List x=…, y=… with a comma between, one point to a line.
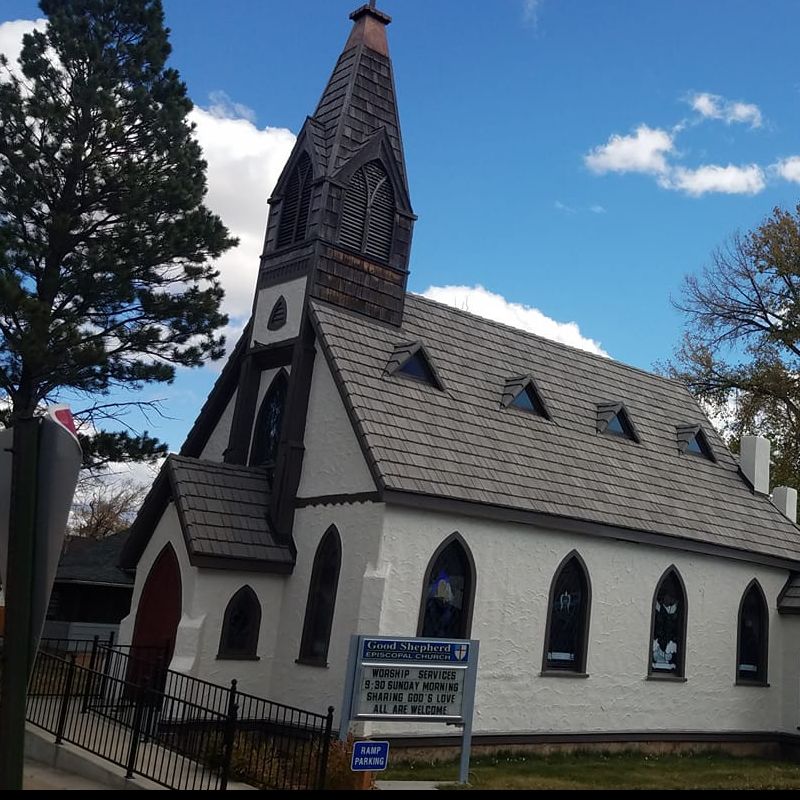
x=628, y=770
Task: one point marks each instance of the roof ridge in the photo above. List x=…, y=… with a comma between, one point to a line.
x=538, y=336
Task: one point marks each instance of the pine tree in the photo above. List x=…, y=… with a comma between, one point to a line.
x=106, y=249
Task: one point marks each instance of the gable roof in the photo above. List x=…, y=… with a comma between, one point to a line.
x=87, y=560
x=224, y=514
x=458, y=445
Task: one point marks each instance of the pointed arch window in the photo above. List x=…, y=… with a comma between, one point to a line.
x=567, y=631
x=321, y=600
x=269, y=422
x=241, y=625
x=368, y=212
x=296, y=204
x=668, y=638
x=753, y=639
x=448, y=592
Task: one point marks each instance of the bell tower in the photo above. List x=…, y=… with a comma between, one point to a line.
x=340, y=213
x=339, y=231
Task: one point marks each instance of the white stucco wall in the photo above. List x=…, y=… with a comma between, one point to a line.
x=218, y=441
x=333, y=461
x=294, y=293
x=357, y=606
x=205, y=594
x=515, y=566
x=385, y=554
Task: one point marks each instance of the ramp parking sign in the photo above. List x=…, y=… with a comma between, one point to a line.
x=369, y=756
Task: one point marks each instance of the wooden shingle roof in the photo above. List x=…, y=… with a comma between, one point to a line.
x=460, y=444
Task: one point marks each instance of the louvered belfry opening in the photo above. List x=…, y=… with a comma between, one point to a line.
x=368, y=212
x=296, y=203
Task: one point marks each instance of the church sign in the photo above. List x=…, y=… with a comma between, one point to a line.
x=395, y=679
x=401, y=678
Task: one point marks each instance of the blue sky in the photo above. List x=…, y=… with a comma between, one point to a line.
x=575, y=157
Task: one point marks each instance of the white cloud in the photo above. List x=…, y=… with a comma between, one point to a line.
x=713, y=106
x=597, y=209
x=244, y=163
x=559, y=206
x=223, y=107
x=530, y=11
x=11, y=34
x=644, y=151
x=788, y=169
x=489, y=305
x=747, y=179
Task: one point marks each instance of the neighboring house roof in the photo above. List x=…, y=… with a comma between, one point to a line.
x=87, y=560
x=460, y=444
x=223, y=510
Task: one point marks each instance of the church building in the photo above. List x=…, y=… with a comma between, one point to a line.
x=372, y=462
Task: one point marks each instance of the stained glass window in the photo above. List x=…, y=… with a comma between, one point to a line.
x=568, y=615
x=321, y=599
x=752, y=661
x=241, y=625
x=447, y=600
x=669, y=616
x=267, y=432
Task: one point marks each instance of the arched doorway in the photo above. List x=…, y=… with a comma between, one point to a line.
x=157, y=618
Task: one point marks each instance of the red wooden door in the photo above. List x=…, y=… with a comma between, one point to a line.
x=157, y=618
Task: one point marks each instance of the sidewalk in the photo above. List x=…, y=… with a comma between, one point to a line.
x=40, y=776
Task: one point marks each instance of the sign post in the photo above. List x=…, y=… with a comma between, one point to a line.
x=40, y=458
x=398, y=679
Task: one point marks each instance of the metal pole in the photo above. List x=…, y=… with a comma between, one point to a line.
x=326, y=745
x=65, y=699
x=89, y=678
x=137, y=730
x=17, y=650
x=229, y=737
x=469, y=712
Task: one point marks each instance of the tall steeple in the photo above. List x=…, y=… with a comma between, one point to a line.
x=341, y=212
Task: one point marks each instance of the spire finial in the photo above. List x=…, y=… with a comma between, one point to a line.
x=370, y=28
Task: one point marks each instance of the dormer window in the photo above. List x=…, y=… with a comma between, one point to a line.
x=692, y=440
x=613, y=420
x=522, y=393
x=412, y=361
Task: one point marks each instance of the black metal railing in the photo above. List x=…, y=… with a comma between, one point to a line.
x=124, y=705
x=56, y=703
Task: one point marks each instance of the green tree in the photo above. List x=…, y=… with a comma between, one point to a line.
x=740, y=352
x=106, y=248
